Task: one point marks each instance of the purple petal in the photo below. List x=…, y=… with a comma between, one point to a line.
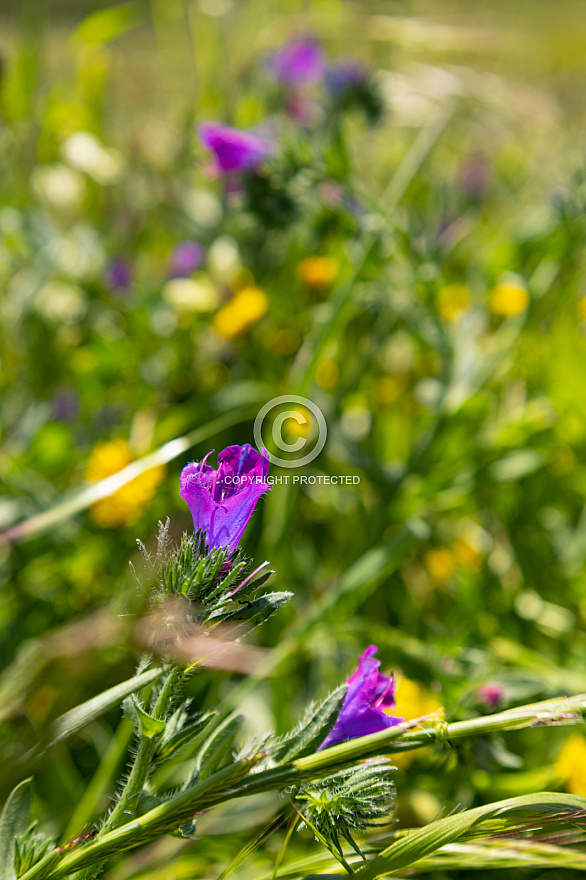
x=300, y=60
x=234, y=150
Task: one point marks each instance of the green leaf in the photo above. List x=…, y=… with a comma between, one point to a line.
x=169, y=745
x=76, y=718
x=148, y=726
x=256, y=611
x=313, y=729
x=107, y=24
x=13, y=825
x=420, y=843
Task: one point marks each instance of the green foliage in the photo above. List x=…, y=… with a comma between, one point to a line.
x=455, y=167
x=14, y=823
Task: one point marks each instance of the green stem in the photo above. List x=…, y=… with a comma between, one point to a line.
x=128, y=800
x=235, y=782
x=101, y=780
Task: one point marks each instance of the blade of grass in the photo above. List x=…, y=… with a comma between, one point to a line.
x=83, y=499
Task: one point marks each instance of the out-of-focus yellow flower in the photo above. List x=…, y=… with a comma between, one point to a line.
x=466, y=555
x=386, y=390
x=413, y=701
x=125, y=505
x=327, y=374
x=571, y=764
x=452, y=301
x=507, y=298
x=301, y=424
x=244, y=309
x=318, y=273
x=440, y=563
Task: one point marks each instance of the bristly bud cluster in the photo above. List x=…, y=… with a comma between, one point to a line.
x=348, y=802
x=219, y=585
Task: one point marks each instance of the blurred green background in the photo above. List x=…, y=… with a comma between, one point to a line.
x=443, y=335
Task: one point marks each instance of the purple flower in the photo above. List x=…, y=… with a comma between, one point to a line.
x=491, y=694
x=369, y=697
x=234, y=150
x=119, y=274
x=185, y=259
x=348, y=73
x=299, y=61
x=222, y=501
x=66, y=405
x=475, y=177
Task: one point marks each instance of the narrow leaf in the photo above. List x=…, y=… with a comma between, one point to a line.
x=13, y=825
x=81, y=715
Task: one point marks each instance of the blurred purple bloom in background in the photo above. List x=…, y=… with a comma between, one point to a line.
x=370, y=696
x=234, y=150
x=299, y=61
x=491, y=694
x=347, y=73
x=222, y=501
x=119, y=274
x=475, y=177
x=185, y=259
x=66, y=404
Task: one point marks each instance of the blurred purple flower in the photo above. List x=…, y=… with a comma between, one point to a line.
x=222, y=501
x=491, y=694
x=66, y=404
x=119, y=274
x=185, y=259
x=475, y=177
x=347, y=73
x=369, y=697
x=234, y=150
x=299, y=61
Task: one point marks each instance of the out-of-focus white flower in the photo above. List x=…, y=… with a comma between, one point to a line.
x=224, y=259
x=202, y=207
x=59, y=186
x=78, y=254
x=85, y=152
x=192, y=294
x=356, y=422
x=60, y=302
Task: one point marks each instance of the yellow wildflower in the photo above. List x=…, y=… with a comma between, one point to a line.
x=244, y=309
x=440, y=563
x=318, y=273
x=452, y=301
x=327, y=374
x=413, y=701
x=571, y=764
x=468, y=556
x=301, y=424
x=125, y=505
x=386, y=390
x=507, y=298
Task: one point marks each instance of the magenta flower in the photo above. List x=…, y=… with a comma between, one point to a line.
x=119, y=274
x=222, y=501
x=185, y=259
x=234, y=150
x=369, y=698
x=491, y=694
x=299, y=61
